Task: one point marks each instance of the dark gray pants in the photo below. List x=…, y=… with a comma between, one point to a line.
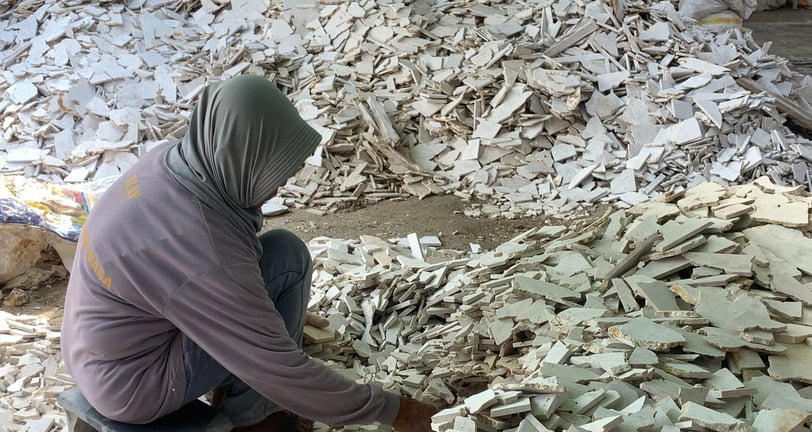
x=286, y=269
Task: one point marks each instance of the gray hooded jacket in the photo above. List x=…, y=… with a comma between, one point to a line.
x=171, y=249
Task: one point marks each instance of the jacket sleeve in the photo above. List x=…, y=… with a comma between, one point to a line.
x=227, y=313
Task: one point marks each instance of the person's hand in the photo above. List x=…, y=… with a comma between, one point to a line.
x=413, y=416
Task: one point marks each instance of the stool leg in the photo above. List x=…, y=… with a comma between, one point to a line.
x=75, y=424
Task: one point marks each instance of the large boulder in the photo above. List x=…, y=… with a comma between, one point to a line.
x=21, y=247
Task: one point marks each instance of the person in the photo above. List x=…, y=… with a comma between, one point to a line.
x=173, y=294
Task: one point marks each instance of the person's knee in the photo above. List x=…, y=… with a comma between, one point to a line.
x=285, y=246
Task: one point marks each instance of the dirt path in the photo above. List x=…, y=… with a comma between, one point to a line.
x=441, y=216
x=437, y=215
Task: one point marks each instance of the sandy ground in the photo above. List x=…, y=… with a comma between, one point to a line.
x=443, y=215
x=437, y=215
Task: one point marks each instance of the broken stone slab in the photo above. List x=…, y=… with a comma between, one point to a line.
x=730, y=263
x=772, y=394
x=712, y=420
x=725, y=385
x=792, y=364
x=685, y=370
x=777, y=209
x=480, y=401
x=676, y=232
x=696, y=344
x=518, y=407
x=789, y=286
x=604, y=424
x=544, y=405
x=794, y=334
x=545, y=289
x=614, y=363
x=655, y=292
x=730, y=340
x=788, y=244
x=785, y=310
x=663, y=268
x=642, y=332
x=569, y=373
x=531, y=424
x=741, y=312
x=743, y=359
x=779, y=420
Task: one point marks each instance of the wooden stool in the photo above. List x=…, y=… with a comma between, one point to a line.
x=196, y=416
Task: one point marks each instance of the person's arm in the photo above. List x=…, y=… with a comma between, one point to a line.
x=228, y=314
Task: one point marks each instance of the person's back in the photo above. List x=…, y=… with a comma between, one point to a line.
x=145, y=238
x=172, y=293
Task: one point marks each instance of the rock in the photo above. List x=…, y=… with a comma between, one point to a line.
x=779, y=420
x=17, y=297
x=713, y=420
x=22, y=247
x=642, y=332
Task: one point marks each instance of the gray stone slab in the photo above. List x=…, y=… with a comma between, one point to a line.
x=681, y=248
x=544, y=405
x=779, y=420
x=544, y=289
x=661, y=389
x=643, y=357
x=730, y=340
x=675, y=232
x=625, y=182
x=664, y=267
x=793, y=364
x=642, y=229
x=559, y=354
x=480, y=401
x=713, y=420
x=685, y=370
x=697, y=344
x=655, y=292
x=786, y=310
x=771, y=394
x=732, y=264
x=645, y=333
x=787, y=244
x=688, y=293
x=746, y=359
x=575, y=316
x=631, y=260
x=717, y=244
x=740, y=313
x=520, y=406
x=624, y=294
x=794, y=333
x=569, y=373
x=789, y=286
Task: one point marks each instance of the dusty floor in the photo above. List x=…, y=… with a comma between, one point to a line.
x=789, y=30
x=437, y=215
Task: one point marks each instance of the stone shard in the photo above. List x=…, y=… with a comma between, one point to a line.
x=779, y=420
x=642, y=332
x=791, y=365
x=713, y=420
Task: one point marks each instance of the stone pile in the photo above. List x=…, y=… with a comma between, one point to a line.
x=688, y=312
x=532, y=106
x=31, y=374
x=692, y=311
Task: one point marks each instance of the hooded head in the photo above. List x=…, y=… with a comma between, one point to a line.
x=244, y=140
